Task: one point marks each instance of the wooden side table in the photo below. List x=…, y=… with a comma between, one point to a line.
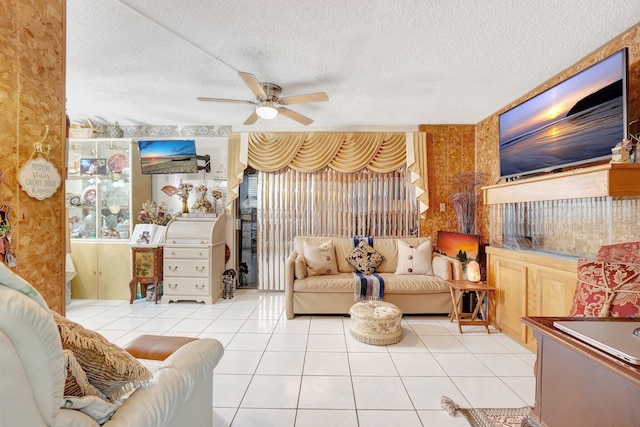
x=147, y=269
x=482, y=290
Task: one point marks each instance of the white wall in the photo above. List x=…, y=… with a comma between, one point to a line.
x=216, y=147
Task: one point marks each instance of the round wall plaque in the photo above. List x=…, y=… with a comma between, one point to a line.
x=39, y=178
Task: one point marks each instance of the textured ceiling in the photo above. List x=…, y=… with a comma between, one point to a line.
x=385, y=64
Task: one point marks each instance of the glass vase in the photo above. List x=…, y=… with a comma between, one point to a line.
x=185, y=206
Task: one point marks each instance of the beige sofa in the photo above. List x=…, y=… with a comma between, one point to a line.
x=334, y=293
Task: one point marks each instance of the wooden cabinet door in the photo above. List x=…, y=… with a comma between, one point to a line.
x=510, y=280
x=114, y=271
x=555, y=293
x=85, y=284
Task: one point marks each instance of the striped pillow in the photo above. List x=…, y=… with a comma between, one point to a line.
x=109, y=368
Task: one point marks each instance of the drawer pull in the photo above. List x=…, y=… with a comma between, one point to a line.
x=172, y=286
x=200, y=268
x=172, y=268
x=199, y=286
x=173, y=253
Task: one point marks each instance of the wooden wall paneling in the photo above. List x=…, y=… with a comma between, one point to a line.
x=32, y=87
x=450, y=151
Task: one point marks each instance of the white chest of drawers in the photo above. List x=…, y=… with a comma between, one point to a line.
x=194, y=259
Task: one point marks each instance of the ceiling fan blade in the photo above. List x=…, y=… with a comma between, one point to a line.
x=251, y=119
x=234, y=101
x=295, y=116
x=253, y=83
x=303, y=99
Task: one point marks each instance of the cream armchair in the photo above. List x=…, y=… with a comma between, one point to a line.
x=33, y=372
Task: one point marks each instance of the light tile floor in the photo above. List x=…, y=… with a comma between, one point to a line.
x=309, y=371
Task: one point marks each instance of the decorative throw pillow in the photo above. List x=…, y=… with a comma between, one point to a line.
x=364, y=258
x=606, y=289
x=320, y=259
x=415, y=260
x=441, y=267
x=629, y=253
x=300, y=267
x=76, y=382
x=109, y=368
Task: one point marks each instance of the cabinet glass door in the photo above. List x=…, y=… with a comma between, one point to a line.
x=98, y=188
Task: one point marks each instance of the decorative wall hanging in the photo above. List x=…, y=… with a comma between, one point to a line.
x=39, y=177
x=6, y=251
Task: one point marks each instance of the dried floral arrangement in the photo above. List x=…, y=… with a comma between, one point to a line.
x=216, y=194
x=464, y=199
x=183, y=190
x=201, y=204
x=154, y=213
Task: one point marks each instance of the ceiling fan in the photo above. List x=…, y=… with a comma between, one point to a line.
x=268, y=102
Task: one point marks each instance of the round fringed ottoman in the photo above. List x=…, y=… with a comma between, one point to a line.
x=376, y=322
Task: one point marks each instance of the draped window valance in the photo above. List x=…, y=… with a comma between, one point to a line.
x=343, y=152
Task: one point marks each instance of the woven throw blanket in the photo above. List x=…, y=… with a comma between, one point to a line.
x=368, y=287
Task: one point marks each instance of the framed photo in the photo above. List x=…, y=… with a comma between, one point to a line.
x=93, y=166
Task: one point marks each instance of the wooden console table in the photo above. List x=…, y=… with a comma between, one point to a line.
x=147, y=269
x=579, y=385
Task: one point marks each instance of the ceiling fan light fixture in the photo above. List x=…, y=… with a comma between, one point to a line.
x=266, y=110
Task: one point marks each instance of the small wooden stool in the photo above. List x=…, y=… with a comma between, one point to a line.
x=458, y=288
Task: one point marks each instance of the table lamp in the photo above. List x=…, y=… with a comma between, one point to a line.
x=473, y=271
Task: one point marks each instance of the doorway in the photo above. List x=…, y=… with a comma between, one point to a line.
x=248, y=231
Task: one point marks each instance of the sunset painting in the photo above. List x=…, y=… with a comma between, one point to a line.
x=581, y=118
x=452, y=244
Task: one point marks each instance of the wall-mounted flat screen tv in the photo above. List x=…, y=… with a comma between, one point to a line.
x=168, y=156
x=464, y=247
x=577, y=121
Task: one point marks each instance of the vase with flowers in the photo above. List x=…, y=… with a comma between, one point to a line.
x=183, y=193
x=217, y=200
x=201, y=204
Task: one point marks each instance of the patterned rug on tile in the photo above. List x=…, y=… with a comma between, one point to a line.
x=495, y=417
x=487, y=417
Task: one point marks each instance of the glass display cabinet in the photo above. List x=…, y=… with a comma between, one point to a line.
x=105, y=190
x=99, y=187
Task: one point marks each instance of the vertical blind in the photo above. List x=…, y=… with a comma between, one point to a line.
x=328, y=203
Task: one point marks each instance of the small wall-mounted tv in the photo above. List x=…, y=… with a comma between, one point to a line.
x=577, y=121
x=464, y=247
x=168, y=156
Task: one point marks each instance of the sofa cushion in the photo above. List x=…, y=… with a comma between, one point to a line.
x=364, y=258
x=393, y=284
x=441, y=267
x=413, y=284
x=109, y=368
x=606, y=289
x=300, y=267
x=342, y=245
x=628, y=253
x=388, y=248
x=415, y=259
x=341, y=282
x=320, y=259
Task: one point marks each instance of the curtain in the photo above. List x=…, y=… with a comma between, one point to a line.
x=332, y=203
x=340, y=151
